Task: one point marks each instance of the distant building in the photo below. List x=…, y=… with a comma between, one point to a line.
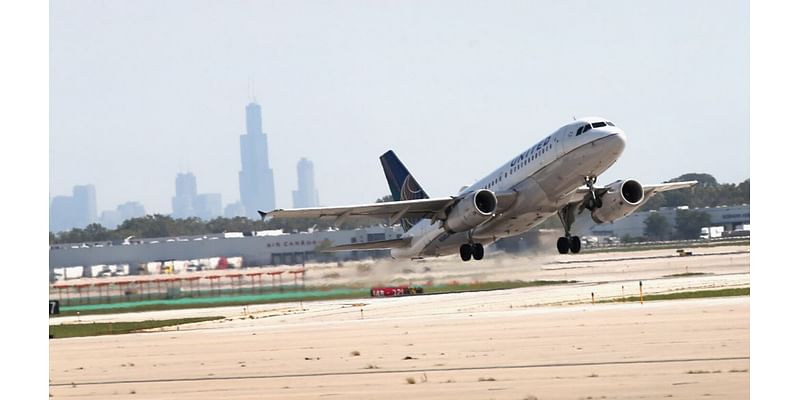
x=256, y=182
x=306, y=193
x=234, y=210
x=633, y=225
x=261, y=248
x=111, y=219
x=62, y=214
x=185, y=194
x=208, y=205
x=187, y=203
x=131, y=209
x=85, y=204
x=76, y=211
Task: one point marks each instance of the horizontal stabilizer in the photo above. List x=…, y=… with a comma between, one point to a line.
x=374, y=245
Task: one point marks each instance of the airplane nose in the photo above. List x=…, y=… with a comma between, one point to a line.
x=617, y=140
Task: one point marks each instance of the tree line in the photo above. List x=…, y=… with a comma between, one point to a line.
x=707, y=193
x=158, y=225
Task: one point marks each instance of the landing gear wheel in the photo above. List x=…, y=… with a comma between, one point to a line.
x=477, y=251
x=563, y=245
x=466, y=252
x=575, y=244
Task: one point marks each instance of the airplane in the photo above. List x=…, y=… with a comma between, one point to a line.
x=557, y=175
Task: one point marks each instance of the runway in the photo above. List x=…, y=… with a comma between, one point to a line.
x=539, y=342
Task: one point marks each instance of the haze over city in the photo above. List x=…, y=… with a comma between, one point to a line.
x=140, y=92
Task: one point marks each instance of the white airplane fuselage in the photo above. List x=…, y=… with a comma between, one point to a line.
x=544, y=177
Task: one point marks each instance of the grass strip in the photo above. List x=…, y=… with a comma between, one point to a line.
x=308, y=295
x=699, y=294
x=476, y=287
x=117, y=328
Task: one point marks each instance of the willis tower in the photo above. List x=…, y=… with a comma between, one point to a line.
x=256, y=183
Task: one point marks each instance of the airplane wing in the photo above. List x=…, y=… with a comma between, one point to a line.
x=649, y=190
x=394, y=210
x=374, y=245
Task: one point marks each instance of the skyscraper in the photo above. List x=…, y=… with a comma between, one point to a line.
x=234, y=210
x=208, y=205
x=256, y=183
x=62, y=214
x=185, y=193
x=76, y=211
x=85, y=204
x=112, y=218
x=306, y=193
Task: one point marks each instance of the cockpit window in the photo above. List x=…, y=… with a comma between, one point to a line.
x=580, y=130
x=586, y=128
x=610, y=123
x=598, y=124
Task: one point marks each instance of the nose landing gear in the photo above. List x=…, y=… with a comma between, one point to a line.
x=593, y=201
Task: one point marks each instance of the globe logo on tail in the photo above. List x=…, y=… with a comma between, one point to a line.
x=411, y=191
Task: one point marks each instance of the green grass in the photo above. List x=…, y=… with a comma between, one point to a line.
x=206, y=302
x=117, y=328
x=311, y=294
x=481, y=286
x=686, y=295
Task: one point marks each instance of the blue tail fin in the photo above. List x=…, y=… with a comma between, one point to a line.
x=401, y=183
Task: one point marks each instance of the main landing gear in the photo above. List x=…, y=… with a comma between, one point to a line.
x=567, y=242
x=471, y=250
x=566, y=214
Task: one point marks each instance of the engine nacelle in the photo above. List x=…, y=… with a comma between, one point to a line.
x=620, y=200
x=471, y=211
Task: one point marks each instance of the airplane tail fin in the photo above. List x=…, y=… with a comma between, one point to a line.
x=401, y=183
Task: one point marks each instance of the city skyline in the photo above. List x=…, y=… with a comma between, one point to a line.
x=437, y=90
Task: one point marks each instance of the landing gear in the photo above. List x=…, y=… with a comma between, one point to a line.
x=568, y=242
x=469, y=251
x=563, y=245
x=593, y=201
x=575, y=244
x=477, y=251
x=466, y=252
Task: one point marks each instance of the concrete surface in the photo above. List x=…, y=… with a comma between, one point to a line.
x=540, y=342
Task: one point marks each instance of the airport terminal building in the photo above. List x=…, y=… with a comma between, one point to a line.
x=263, y=248
x=731, y=217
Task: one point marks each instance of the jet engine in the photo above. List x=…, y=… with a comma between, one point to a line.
x=472, y=210
x=620, y=199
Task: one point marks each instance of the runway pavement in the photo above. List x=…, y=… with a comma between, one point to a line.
x=538, y=342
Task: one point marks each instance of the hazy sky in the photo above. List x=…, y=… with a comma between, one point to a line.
x=143, y=90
